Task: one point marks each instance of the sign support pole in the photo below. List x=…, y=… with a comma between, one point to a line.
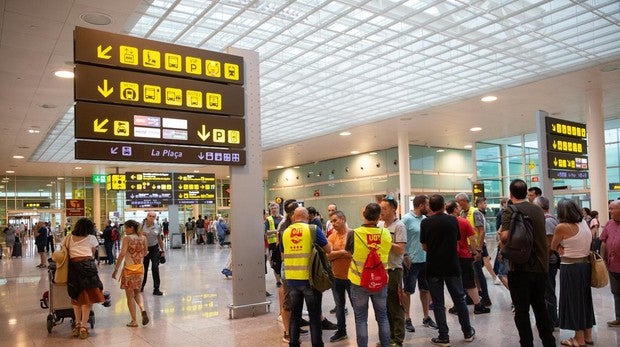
x=246, y=196
x=543, y=153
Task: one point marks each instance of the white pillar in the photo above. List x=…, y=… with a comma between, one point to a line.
x=97, y=206
x=404, y=170
x=596, y=152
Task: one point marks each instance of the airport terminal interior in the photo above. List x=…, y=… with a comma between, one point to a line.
x=335, y=101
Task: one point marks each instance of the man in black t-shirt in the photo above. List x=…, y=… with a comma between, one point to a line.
x=439, y=236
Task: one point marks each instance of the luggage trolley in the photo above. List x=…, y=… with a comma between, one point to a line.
x=59, y=303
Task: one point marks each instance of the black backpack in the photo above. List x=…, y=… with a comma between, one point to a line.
x=519, y=247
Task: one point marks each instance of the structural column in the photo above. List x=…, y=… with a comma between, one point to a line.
x=97, y=206
x=404, y=170
x=596, y=151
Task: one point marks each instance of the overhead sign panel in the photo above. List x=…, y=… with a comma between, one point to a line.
x=561, y=161
x=566, y=144
x=568, y=174
x=565, y=128
x=98, y=84
x=127, y=52
x=116, y=182
x=140, y=124
x=120, y=151
x=194, y=188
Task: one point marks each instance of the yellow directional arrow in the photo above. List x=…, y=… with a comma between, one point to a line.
x=103, y=53
x=204, y=134
x=98, y=127
x=555, y=161
x=105, y=91
x=554, y=145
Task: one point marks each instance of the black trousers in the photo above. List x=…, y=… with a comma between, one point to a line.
x=152, y=257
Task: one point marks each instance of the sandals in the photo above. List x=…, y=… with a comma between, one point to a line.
x=132, y=324
x=83, y=333
x=572, y=342
x=145, y=318
x=75, y=332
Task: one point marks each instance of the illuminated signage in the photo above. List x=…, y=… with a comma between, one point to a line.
x=99, y=178
x=614, y=186
x=568, y=174
x=565, y=128
x=106, y=85
x=74, y=207
x=561, y=161
x=137, y=152
x=138, y=124
x=36, y=204
x=120, y=51
x=116, y=182
x=194, y=188
x=478, y=190
x=566, y=144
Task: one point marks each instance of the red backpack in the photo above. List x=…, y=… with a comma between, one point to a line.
x=373, y=277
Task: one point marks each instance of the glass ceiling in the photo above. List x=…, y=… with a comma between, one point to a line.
x=327, y=65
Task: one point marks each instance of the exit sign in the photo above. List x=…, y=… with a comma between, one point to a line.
x=99, y=178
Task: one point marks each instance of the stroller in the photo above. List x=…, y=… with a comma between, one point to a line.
x=58, y=301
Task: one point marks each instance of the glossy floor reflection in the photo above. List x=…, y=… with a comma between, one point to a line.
x=193, y=311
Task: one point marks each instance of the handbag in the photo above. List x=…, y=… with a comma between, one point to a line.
x=60, y=257
x=600, y=277
x=133, y=269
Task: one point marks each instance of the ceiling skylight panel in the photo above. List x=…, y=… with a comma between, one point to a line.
x=156, y=11
x=167, y=31
x=182, y=17
x=143, y=25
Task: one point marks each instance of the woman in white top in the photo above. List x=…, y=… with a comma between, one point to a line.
x=595, y=225
x=83, y=283
x=572, y=238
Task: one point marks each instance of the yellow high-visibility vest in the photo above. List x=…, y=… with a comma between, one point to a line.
x=273, y=238
x=297, y=242
x=363, y=238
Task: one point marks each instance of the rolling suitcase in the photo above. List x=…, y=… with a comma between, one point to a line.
x=17, y=249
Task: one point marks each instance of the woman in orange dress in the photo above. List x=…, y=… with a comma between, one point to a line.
x=133, y=250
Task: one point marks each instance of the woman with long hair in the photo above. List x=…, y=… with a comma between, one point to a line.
x=571, y=239
x=133, y=251
x=83, y=283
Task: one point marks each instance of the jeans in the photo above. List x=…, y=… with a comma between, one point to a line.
x=457, y=293
x=153, y=257
x=297, y=295
x=359, y=301
x=108, y=251
x=396, y=313
x=481, y=279
x=339, y=289
x=551, y=300
x=614, y=284
x=528, y=289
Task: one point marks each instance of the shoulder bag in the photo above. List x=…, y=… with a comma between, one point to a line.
x=600, y=277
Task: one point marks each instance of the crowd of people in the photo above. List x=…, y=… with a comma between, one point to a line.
x=441, y=245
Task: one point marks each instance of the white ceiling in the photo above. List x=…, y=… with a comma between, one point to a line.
x=369, y=67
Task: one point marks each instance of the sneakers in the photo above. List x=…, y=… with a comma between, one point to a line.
x=409, y=327
x=429, y=323
x=497, y=281
x=470, y=337
x=327, y=325
x=157, y=292
x=338, y=336
x=480, y=309
x=486, y=302
x=614, y=323
x=439, y=341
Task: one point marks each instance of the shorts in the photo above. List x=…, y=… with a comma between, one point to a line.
x=467, y=272
x=286, y=302
x=40, y=248
x=417, y=271
x=503, y=267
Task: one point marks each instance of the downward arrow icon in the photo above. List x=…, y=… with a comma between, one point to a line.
x=104, y=90
x=204, y=134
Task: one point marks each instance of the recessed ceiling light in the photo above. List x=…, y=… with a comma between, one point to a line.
x=196, y=171
x=10, y=171
x=78, y=168
x=60, y=178
x=96, y=18
x=279, y=167
x=475, y=129
x=49, y=185
x=355, y=152
x=18, y=157
x=64, y=74
x=34, y=131
x=489, y=98
x=227, y=176
x=373, y=153
x=345, y=133
x=467, y=146
x=295, y=167
x=440, y=150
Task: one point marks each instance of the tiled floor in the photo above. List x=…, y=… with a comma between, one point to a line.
x=193, y=311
